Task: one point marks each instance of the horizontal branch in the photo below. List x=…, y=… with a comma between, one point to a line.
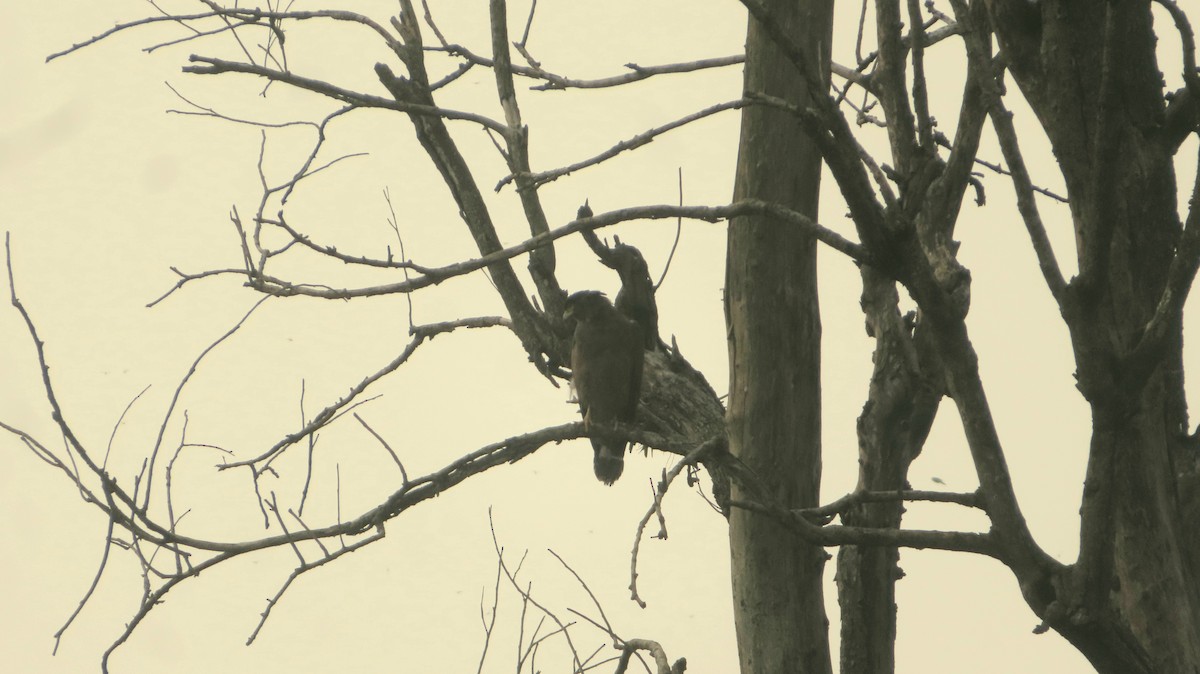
x=834, y=535
x=174, y=18
x=434, y=275
x=636, y=73
x=553, y=81
x=852, y=499
x=247, y=16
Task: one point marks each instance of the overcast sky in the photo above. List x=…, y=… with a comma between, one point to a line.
x=103, y=191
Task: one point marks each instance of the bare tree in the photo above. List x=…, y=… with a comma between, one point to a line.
x=1090, y=73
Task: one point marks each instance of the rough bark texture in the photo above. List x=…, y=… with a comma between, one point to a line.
x=774, y=415
x=1088, y=69
x=903, y=399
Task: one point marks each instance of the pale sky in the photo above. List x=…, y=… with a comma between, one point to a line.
x=103, y=192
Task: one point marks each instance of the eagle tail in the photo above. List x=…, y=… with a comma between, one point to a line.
x=609, y=461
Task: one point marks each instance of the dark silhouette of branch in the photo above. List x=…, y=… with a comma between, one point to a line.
x=215, y=66
x=335, y=410
x=246, y=16
x=845, y=503
x=433, y=275
x=834, y=535
x=305, y=567
x=635, y=142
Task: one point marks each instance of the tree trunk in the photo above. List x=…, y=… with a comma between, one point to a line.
x=903, y=399
x=774, y=416
x=1132, y=601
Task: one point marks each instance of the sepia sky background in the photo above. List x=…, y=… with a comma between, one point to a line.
x=103, y=191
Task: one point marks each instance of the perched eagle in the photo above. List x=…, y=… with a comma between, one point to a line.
x=606, y=370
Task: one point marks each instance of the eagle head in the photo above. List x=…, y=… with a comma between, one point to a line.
x=586, y=305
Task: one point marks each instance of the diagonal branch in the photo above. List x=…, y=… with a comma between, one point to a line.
x=532, y=327
x=339, y=407
x=643, y=138
x=978, y=56
x=1146, y=355
x=216, y=66
x=516, y=138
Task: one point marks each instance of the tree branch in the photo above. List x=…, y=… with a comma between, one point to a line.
x=845, y=503
x=434, y=275
x=215, y=66
x=833, y=535
x=516, y=138
x=338, y=408
x=979, y=61
x=643, y=138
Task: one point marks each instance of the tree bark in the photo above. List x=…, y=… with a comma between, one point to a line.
x=1089, y=70
x=904, y=394
x=774, y=416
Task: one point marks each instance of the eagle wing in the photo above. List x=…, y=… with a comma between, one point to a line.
x=606, y=365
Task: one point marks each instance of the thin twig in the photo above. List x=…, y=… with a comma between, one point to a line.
x=399, y=464
x=595, y=602
x=91, y=588
x=305, y=567
x=527, y=597
x=335, y=409
x=690, y=459
x=678, y=233
x=162, y=429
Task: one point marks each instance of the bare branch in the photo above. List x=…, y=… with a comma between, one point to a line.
x=331, y=412
x=656, y=651
x=215, y=66
x=595, y=602
x=162, y=429
x=942, y=141
x=489, y=625
x=305, y=567
x=845, y=503
x=432, y=276
x=245, y=17
x=920, y=91
x=175, y=18
x=636, y=73
x=91, y=588
x=390, y=451
x=527, y=598
x=542, y=260
x=1145, y=356
x=1191, y=77
x=833, y=535
x=692, y=457
x=979, y=61
x=637, y=141
x=678, y=232
x=553, y=81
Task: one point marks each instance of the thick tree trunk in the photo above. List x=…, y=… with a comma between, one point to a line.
x=774, y=415
x=1088, y=69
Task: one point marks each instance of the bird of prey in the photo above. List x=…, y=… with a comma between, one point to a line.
x=606, y=370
